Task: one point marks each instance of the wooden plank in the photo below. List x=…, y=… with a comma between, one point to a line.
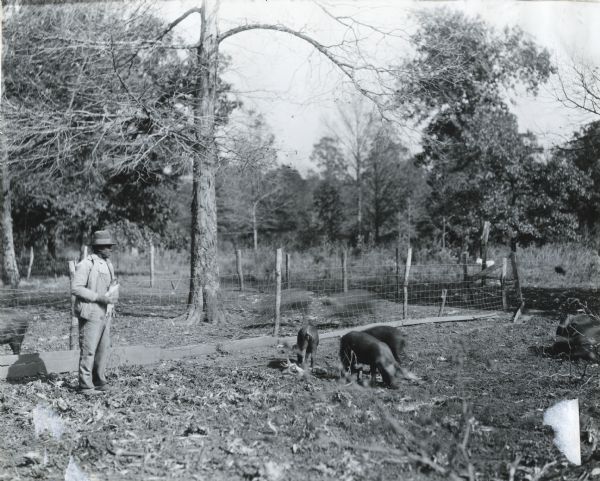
x=74, y=331
x=238, y=265
x=193, y=350
x=151, y=264
x=251, y=343
x=406, y=275
x=484, y=241
x=38, y=363
x=444, y=294
x=503, y=284
x=344, y=270
x=515, y=269
x=134, y=355
x=517, y=315
x=484, y=273
x=23, y=365
x=30, y=262
x=408, y=322
x=397, y=274
x=277, y=292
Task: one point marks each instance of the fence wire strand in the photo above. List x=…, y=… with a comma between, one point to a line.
x=326, y=296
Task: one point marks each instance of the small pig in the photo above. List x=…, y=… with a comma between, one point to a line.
x=391, y=336
x=13, y=325
x=358, y=348
x=578, y=336
x=307, y=343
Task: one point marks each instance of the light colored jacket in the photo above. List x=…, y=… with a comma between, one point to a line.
x=88, y=284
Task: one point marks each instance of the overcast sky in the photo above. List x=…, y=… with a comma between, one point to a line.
x=296, y=88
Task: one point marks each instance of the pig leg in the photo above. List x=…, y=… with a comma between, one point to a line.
x=302, y=358
x=373, y=374
x=15, y=344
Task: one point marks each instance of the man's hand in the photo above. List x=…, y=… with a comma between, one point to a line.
x=104, y=299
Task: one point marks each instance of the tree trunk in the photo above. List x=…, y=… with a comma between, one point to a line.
x=359, y=199
x=203, y=298
x=51, y=241
x=10, y=271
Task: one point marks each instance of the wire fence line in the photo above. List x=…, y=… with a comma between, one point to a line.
x=428, y=285
x=327, y=296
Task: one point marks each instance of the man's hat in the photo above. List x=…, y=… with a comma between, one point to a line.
x=102, y=238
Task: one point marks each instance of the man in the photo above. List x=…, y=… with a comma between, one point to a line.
x=93, y=278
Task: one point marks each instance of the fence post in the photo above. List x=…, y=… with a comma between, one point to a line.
x=288, y=270
x=465, y=257
x=397, y=274
x=406, y=274
x=238, y=265
x=277, y=292
x=151, y=264
x=503, y=284
x=74, y=332
x=515, y=269
x=484, y=240
x=30, y=262
x=344, y=270
x=444, y=294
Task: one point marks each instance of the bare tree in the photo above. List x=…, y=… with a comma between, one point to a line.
x=579, y=87
x=251, y=155
x=132, y=129
x=355, y=129
x=204, y=284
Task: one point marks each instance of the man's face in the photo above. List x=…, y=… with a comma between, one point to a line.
x=103, y=251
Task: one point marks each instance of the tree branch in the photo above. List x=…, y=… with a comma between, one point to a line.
x=347, y=68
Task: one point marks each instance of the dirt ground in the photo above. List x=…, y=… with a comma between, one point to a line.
x=477, y=414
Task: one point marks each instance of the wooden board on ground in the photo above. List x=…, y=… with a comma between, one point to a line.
x=24, y=365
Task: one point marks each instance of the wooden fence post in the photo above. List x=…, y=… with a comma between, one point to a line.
x=30, y=262
x=397, y=274
x=288, y=267
x=503, y=283
x=238, y=265
x=515, y=269
x=465, y=257
x=151, y=265
x=277, y=292
x=484, y=241
x=444, y=294
x=406, y=274
x=74, y=332
x=344, y=270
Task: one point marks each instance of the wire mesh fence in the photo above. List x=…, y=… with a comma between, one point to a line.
x=151, y=310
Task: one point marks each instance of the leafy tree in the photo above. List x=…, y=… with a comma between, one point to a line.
x=491, y=171
x=479, y=165
x=583, y=152
x=329, y=210
x=386, y=183
x=354, y=129
x=95, y=121
x=328, y=157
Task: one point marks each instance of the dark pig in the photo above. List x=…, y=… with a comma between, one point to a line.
x=578, y=336
x=359, y=348
x=391, y=336
x=307, y=343
x=13, y=325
